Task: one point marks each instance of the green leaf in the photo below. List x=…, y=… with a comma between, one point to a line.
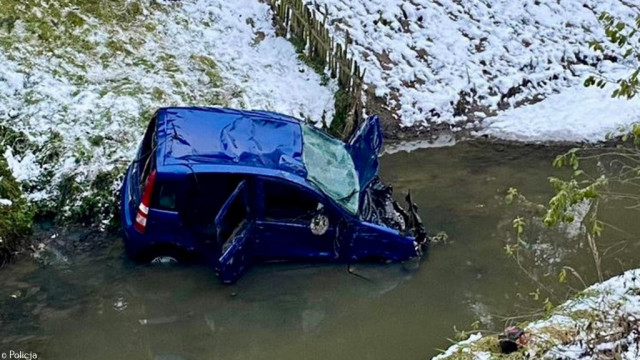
x=512, y=193
x=508, y=199
x=596, y=228
x=518, y=224
x=603, y=16
x=590, y=192
x=589, y=81
x=562, y=276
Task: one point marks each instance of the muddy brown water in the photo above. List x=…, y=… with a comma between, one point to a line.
x=99, y=305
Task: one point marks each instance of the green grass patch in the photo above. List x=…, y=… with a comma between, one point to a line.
x=103, y=204
x=52, y=150
x=63, y=26
x=15, y=219
x=16, y=140
x=158, y=95
x=116, y=46
x=89, y=203
x=342, y=104
x=208, y=66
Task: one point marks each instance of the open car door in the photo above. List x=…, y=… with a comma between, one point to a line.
x=364, y=146
x=235, y=235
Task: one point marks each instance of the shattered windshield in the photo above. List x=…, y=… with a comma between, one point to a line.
x=330, y=167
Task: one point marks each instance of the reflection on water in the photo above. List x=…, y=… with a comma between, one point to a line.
x=101, y=306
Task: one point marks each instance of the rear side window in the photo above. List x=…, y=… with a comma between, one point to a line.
x=167, y=195
x=205, y=195
x=145, y=159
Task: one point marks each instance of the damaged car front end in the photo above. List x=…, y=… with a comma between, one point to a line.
x=377, y=205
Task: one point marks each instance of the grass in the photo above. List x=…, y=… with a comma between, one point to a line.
x=15, y=219
x=342, y=105
x=103, y=206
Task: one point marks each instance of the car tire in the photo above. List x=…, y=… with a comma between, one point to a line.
x=164, y=255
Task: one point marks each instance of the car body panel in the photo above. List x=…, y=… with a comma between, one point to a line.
x=235, y=232
x=293, y=239
x=376, y=242
x=365, y=146
x=230, y=137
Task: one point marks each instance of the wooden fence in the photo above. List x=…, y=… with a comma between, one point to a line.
x=295, y=19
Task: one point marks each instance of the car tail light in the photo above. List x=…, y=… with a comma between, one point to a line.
x=143, y=209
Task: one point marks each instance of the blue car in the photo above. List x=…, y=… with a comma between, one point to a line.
x=234, y=187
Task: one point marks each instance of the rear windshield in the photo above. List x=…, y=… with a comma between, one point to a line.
x=330, y=167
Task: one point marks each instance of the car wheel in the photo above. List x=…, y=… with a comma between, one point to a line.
x=165, y=256
x=164, y=260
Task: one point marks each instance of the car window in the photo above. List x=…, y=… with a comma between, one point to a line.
x=205, y=195
x=232, y=218
x=166, y=196
x=145, y=160
x=284, y=201
x=331, y=168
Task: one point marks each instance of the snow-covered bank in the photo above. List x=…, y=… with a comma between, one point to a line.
x=79, y=80
x=421, y=55
x=577, y=114
x=601, y=322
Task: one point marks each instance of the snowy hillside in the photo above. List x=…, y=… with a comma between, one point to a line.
x=79, y=80
x=422, y=55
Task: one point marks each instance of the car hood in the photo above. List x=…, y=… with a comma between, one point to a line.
x=364, y=146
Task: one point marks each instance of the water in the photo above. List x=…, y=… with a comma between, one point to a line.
x=101, y=306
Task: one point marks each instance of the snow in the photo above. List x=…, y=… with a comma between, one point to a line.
x=83, y=106
x=269, y=73
x=422, y=54
x=24, y=169
x=576, y=114
x=458, y=347
x=443, y=140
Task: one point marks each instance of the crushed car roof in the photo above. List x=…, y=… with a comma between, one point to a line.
x=225, y=136
x=259, y=139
